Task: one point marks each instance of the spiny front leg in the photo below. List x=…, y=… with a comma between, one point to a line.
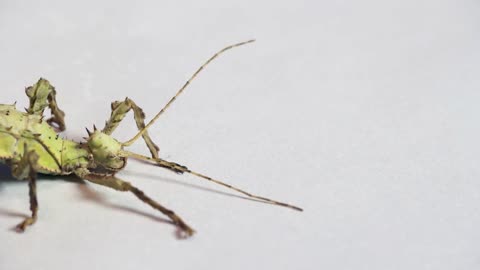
x=25, y=169
x=120, y=185
x=119, y=110
x=43, y=95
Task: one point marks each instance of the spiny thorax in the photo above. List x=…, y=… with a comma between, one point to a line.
x=106, y=151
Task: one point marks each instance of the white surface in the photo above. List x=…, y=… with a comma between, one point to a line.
x=365, y=113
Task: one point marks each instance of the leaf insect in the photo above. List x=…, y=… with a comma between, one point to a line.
x=31, y=145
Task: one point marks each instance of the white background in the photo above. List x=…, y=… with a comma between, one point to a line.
x=365, y=113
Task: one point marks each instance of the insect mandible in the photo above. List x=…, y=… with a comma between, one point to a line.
x=30, y=145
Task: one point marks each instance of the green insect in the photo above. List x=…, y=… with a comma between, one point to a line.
x=30, y=145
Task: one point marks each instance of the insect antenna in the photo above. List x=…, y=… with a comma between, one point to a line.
x=183, y=169
x=140, y=133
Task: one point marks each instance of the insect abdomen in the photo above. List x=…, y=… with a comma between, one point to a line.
x=18, y=129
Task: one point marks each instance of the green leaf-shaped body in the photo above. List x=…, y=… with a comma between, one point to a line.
x=56, y=155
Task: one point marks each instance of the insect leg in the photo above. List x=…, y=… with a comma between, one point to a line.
x=120, y=185
x=25, y=169
x=43, y=95
x=119, y=110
